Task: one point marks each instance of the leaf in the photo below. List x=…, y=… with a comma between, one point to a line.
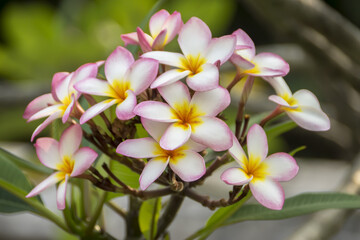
x=125, y=174
x=295, y=206
x=149, y=216
x=296, y=150
x=11, y=174
x=279, y=129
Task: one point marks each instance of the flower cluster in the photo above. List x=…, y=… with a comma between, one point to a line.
x=182, y=118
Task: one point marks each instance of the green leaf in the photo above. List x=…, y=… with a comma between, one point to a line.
x=278, y=129
x=149, y=216
x=125, y=174
x=11, y=174
x=295, y=206
x=296, y=150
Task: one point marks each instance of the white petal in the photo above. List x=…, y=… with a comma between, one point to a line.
x=153, y=169
x=175, y=94
x=62, y=87
x=157, y=21
x=194, y=146
x=155, y=129
x=173, y=25
x=159, y=41
x=241, y=63
x=56, y=81
x=281, y=166
x=270, y=64
x=38, y=104
x=46, y=112
x=280, y=101
x=304, y=97
x=84, y=158
x=70, y=141
x=69, y=109
x=156, y=111
x=235, y=176
x=47, y=150
x=124, y=110
x=130, y=38
x=237, y=152
x=175, y=136
x=279, y=85
x=205, y=80
x=96, y=109
x=257, y=143
x=244, y=45
x=220, y=49
x=61, y=193
x=139, y=148
x=142, y=73
x=268, y=193
x=117, y=64
x=167, y=58
x=188, y=165
x=88, y=70
x=49, y=181
x=169, y=77
x=310, y=118
x=44, y=124
x=93, y=86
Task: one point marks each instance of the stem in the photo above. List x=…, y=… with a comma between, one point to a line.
x=68, y=216
x=246, y=123
x=169, y=214
x=96, y=215
x=152, y=224
x=272, y=115
x=236, y=79
x=132, y=219
x=117, y=209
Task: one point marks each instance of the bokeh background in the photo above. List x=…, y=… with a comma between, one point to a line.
x=319, y=39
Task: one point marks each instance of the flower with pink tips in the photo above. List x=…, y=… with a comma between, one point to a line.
x=163, y=28
x=66, y=158
x=62, y=99
x=262, y=64
x=302, y=107
x=185, y=161
x=260, y=171
x=126, y=78
x=201, y=57
x=193, y=118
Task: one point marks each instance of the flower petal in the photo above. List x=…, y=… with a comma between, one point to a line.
x=156, y=111
x=304, y=97
x=84, y=158
x=70, y=141
x=205, y=80
x=157, y=21
x=194, y=146
x=38, y=104
x=268, y=193
x=188, y=165
x=173, y=25
x=169, y=77
x=175, y=136
x=167, y=58
x=142, y=73
x=281, y=166
x=145, y=41
x=117, y=64
x=213, y=133
x=279, y=85
x=175, y=94
x=61, y=193
x=130, y=38
x=96, y=109
x=235, y=176
x=241, y=62
x=88, y=70
x=46, y=112
x=159, y=41
x=47, y=150
x=155, y=129
x=220, y=49
x=93, y=86
x=194, y=37
x=62, y=86
x=69, y=109
x=139, y=148
x=49, y=181
x=244, y=45
x=57, y=80
x=257, y=143
x=153, y=169
x=44, y=124
x=237, y=152
x=270, y=64
x=211, y=102
x=310, y=118
x=124, y=110
x=282, y=102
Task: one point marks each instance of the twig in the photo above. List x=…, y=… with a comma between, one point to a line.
x=117, y=209
x=271, y=116
x=236, y=79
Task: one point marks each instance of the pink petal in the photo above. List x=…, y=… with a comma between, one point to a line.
x=279, y=85
x=211, y=102
x=188, y=165
x=139, y=148
x=205, y=80
x=268, y=193
x=38, y=104
x=241, y=63
x=84, y=158
x=304, y=97
x=46, y=112
x=280, y=101
x=156, y=111
x=117, y=64
x=237, y=152
x=157, y=21
x=93, y=86
x=61, y=193
x=159, y=41
x=175, y=94
x=167, y=58
x=235, y=176
x=244, y=45
x=47, y=150
x=62, y=86
x=257, y=143
x=49, y=181
x=155, y=129
x=124, y=110
x=220, y=49
x=173, y=25
x=142, y=73
x=130, y=38
x=153, y=169
x=44, y=124
x=194, y=37
x=169, y=77
x=88, y=70
x=70, y=141
x=57, y=79
x=145, y=41
x=175, y=136
x=281, y=166
x=310, y=118
x=96, y=109
x=69, y=109
x=270, y=64
x=213, y=133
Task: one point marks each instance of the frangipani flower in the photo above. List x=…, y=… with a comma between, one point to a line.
x=262, y=173
x=262, y=64
x=163, y=28
x=189, y=117
x=61, y=101
x=199, y=60
x=66, y=158
x=302, y=107
x=126, y=79
x=184, y=161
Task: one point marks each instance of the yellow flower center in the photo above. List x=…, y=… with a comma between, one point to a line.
x=254, y=70
x=118, y=89
x=173, y=154
x=254, y=167
x=67, y=165
x=192, y=63
x=66, y=102
x=187, y=115
x=292, y=102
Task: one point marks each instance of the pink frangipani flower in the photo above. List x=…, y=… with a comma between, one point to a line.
x=126, y=78
x=185, y=161
x=62, y=99
x=66, y=158
x=262, y=64
x=193, y=118
x=260, y=171
x=163, y=28
x=200, y=59
x=302, y=107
